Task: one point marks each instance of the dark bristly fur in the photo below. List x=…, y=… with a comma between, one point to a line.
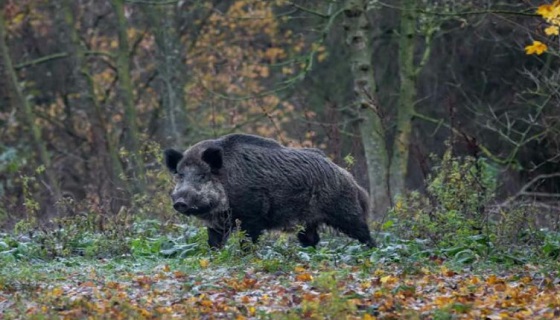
x=266, y=186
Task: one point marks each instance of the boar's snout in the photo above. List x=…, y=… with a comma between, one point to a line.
x=190, y=207
x=180, y=205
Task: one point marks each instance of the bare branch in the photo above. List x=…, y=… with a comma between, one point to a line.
x=528, y=12
x=153, y=3
x=56, y=56
x=523, y=191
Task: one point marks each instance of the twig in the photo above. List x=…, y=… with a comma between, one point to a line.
x=42, y=60
x=313, y=12
x=527, y=12
x=153, y=3
x=56, y=56
x=523, y=191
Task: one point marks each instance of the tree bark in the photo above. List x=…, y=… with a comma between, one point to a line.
x=19, y=99
x=171, y=73
x=104, y=142
x=358, y=34
x=132, y=133
x=407, y=96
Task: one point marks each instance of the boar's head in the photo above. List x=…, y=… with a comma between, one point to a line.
x=198, y=190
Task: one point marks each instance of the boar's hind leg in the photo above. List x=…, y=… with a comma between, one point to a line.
x=309, y=237
x=216, y=238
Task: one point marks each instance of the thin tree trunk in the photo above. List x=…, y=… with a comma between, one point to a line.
x=171, y=73
x=407, y=96
x=132, y=133
x=19, y=99
x=358, y=34
x=105, y=143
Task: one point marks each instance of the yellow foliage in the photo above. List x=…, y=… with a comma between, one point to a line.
x=549, y=11
x=544, y=10
x=552, y=30
x=536, y=47
x=18, y=18
x=57, y=292
x=304, y=277
x=204, y=263
x=299, y=269
x=551, y=14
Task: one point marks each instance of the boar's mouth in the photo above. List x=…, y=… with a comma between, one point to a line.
x=194, y=211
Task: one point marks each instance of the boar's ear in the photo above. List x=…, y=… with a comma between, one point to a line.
x=213, y=156
x=172, y=158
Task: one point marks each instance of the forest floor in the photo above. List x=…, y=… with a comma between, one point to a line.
x=279, y=280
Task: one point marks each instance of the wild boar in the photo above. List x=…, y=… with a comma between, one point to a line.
x=262, y=185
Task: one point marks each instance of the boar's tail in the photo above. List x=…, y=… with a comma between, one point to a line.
x=363, y=198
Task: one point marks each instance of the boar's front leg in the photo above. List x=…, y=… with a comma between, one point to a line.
x=252, y=233
x=309, y=237
x=216, y=238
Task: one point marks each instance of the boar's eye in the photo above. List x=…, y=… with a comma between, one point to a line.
x=179, y=176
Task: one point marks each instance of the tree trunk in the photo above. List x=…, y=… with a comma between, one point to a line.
x=103, y=142
x=358, y=34
x=132, y=133
x=407, y=96
x=171, y=73
x=19, y=99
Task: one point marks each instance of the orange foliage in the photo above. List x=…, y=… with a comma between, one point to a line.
x=233, y=60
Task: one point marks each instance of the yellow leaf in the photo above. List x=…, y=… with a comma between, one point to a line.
x=252, y=310
x=287, y=70
x=204, y=263
x=536, y=47
x=304, y=277
x=399, y=204
x=492, y=280
x=18, y=18
x=145, y=313
x=388, y=279
x=552, y=31
x=368, y=317
x=544, y=10
x=526, y=280
x=264, y=72
x=57, y=292
x=442, y=301
x=299, y=269
x=206, y=303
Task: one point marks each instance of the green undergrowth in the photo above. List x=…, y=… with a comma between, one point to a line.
x=95, y=272
x=184, y=243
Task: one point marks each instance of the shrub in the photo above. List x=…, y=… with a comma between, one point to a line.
x=454, y=206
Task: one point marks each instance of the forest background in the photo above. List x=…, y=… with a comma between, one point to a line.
x=425, y=96
x=447, y=111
